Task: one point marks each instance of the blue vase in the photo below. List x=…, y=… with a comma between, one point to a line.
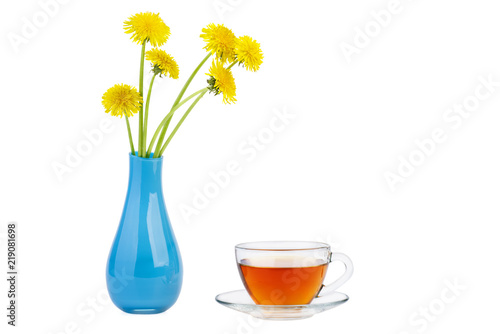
x=144, y=269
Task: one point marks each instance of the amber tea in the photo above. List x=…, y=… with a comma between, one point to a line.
x=282, y=280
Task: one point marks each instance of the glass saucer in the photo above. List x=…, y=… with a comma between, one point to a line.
x=239, y=300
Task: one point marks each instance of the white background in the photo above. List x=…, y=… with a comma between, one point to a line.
x=321, y=178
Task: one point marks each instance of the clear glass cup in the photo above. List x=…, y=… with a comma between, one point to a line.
x=288, y=272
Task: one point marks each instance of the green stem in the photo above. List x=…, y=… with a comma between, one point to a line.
x=146, y=111
x=141, y=90
x=182, y=120
x=168, y=117
x=130, y=136
x=186, y=85
x=179, y=97
x=234, y=63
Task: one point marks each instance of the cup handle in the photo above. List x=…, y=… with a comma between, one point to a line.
x=327, y=289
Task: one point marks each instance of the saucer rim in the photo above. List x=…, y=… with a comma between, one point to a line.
x=346, y=298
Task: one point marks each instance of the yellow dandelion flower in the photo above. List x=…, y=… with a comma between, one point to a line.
x=248, y=53
x=121, y=99
x=222, y=81
x=147, y=27
x=220, y=41
x=163, y=63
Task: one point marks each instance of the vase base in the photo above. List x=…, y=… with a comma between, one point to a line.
x=144, y=310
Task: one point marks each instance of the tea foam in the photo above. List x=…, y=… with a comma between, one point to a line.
x=282, y=261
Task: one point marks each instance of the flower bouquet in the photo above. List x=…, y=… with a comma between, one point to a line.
x=221, y=43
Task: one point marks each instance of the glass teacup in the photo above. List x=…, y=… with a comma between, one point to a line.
x=288, y=272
